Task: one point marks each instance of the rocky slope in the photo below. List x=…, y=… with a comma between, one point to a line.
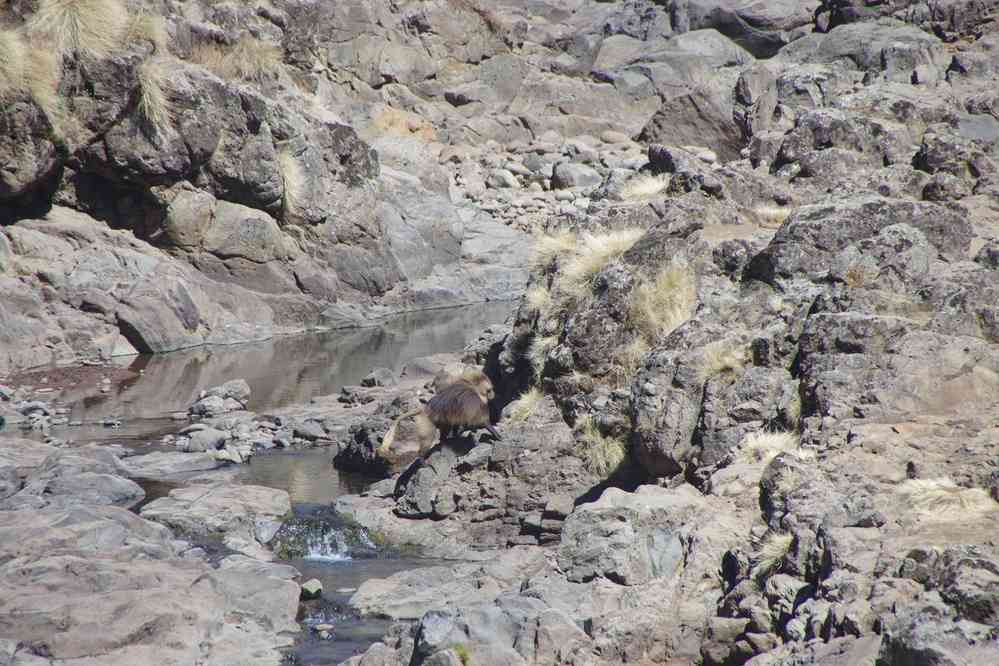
x=749, y=400
x=780, y=347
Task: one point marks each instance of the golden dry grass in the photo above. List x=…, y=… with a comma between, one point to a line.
x=763, y=446
x=294, y=181
x=942, y=499
x=659, y=306
x=771, y=553
x=524, y=407
x=644, y=187
x=628, y=358
x=145, y=27
x=593, y=253
x=249, y=59
x=537, y=353
x=538, y=298
x=31, y=71
x=154, y=101
x=90, y=27
x=602, y=455
x=723, y=356
x=549, y=246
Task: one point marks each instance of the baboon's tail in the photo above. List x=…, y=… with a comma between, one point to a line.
x=389, y=437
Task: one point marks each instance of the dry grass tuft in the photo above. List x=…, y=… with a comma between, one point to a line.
x=549, y=246
x=763, y=446
x=91, y=27
x=593, y=253
x=942, y=499
x=538, y=298
x=537, y=354
x=723, y=356
x=32, y=71
x=249, y=59
x=602, y=455
x=771, y=216
x=524, y=407
x=144, y=27
x=658, y=307
x=771, y=553
x=294, y=181
x=644, y=187
x=628, y=358
x=154, y=102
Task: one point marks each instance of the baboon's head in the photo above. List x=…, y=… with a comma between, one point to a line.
x=483, y=385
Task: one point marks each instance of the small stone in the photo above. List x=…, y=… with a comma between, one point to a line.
x=312, y=589
x=612, y=136
x=502, y=178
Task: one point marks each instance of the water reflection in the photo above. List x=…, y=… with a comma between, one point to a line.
x=281, y=371
x=307, y=475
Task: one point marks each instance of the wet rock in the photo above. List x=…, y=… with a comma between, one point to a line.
x=312, y=589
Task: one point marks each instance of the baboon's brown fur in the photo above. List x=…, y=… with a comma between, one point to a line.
x=462, y=403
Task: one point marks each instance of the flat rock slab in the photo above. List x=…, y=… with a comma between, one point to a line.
x=161, y=465
x=99, y=585
x=24, y=454
x=218, y=509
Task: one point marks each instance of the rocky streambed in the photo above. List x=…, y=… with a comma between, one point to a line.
x=121, y=548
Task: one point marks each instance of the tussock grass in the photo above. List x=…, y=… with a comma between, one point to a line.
x=32, y=71
x=659, y=306
x=549, y=246
x=593, y=253
x=644, y=187
x=294, y=181
x=538, y=298
x=524, y=407
x=154, y=102
x=249, y=59
x=602, y=455
x=90, y=27
x=723, y=356
x=763, y=446
x=629, y=357
x=537, y=353
x=771, y=216
x=145, y=27
x=771, y=553
x=942, y=499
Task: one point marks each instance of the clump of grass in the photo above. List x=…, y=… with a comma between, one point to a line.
x=524, y=407
x=463, y=653
x=593, y=253
x=31, y=71
x=549, y=246
x=771, y=216
x=659, y=306
x=629, y=357
x=90, y=27
x=538, y=298
x=154, y=103
x=145, y=27
x=942, y=499
x=771, y=553
x=644, y=187
x=763, y=446
x=537, y=353
x=249, y=59
x=723, y=356
x=602, y=455
x=294, y=181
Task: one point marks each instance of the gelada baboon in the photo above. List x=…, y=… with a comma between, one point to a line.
x=461, y=404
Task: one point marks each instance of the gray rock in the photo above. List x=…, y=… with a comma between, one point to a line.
x=568, y=174
x=312, y=589
x=9, y=481
x=502, y=178
x=208, y=439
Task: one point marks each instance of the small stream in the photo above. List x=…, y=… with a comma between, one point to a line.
x=152, y=392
